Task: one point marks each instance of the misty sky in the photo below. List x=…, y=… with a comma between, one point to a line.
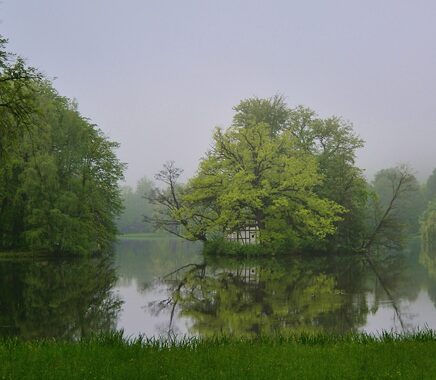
x=157, y=76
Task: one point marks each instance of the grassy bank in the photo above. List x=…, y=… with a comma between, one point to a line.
x=302, y=357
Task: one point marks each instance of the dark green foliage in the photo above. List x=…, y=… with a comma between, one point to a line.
x=305, y=356
x=18, y=87
x=59, y=180
x=334, y=144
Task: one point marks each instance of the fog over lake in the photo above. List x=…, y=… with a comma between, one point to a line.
x=157, y=77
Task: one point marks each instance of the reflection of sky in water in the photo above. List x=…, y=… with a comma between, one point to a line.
x=138, y=317
x=419, y=313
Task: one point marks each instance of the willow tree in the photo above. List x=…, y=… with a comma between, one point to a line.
x=18, y=86
x=68, y=188
x=18, y=91
x=58, y=175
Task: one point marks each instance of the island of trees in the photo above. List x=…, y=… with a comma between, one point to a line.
x=293, y=176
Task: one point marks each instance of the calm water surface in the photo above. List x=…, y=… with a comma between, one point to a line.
x=166, y=288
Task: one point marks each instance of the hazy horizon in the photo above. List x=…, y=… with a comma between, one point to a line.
x=158, y=77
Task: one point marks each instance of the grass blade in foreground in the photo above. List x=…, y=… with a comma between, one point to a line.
x=302, y=357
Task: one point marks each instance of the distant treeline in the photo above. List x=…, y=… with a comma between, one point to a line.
x=58, y=173
x=136, y=208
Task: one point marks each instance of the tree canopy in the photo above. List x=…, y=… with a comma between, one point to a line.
x=287, y=171
x=18, y=87
x=58, y=175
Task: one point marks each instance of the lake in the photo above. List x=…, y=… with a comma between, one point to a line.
x=166, y=288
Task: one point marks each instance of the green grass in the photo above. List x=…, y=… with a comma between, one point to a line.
x=299, y=357
x=146, y=236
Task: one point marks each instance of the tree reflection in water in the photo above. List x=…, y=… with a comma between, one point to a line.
x=427, y=258
x=57, y=298
x=259, y=297
x=281, y=296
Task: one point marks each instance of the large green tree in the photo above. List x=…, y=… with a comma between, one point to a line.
x=58, y=175
x=18, y=93
x=251, y=175
x=268, y=169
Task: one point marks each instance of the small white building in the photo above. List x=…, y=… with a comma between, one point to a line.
x=247, y=235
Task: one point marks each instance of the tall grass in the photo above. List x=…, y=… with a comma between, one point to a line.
x=302, y=356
